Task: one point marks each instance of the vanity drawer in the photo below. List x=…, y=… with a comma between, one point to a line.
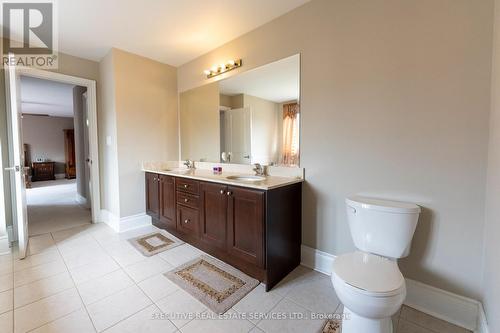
x=187, y=220
x=188, y=199
x=187, y=185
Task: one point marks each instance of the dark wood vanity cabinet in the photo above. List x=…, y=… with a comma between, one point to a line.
x=213, y=214
x=167, y=201
x=245, y=225
x=152, y=195
x=256, y=231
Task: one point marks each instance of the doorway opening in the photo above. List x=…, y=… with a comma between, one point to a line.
x=21, y=176
x=56, y=153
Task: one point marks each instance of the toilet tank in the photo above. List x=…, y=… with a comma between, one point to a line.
x=382, y=227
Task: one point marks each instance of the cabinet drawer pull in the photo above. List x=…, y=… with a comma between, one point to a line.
x=186, y=185
x=229, y=193
x=186, y=200
x=186, y=221
x=222, y=191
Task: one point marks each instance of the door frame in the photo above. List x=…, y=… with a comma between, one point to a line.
x=93, y=131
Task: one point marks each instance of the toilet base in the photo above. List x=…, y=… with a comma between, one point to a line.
x=352, y=323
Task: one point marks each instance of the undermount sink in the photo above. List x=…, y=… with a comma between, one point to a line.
x=178, y=170
x=246, y=178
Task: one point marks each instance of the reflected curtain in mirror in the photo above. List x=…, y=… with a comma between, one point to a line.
x=291, y=120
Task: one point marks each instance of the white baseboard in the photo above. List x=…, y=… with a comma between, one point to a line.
x=11, y=234
x=110, y=219
x=453, y=308
x=81, y=200
x=125, y=223
x=439, y=303
x=318, y=260
x=482, y=324
x=60, y=175
x=134, y=221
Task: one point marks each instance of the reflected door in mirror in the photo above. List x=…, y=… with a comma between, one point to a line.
x=235, y=136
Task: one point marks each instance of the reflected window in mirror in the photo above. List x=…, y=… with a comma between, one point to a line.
x=291, y=126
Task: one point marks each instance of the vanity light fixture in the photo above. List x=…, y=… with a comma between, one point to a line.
x=222, y=68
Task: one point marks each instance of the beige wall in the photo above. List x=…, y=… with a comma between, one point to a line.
x=199, y=124
x=45, y=138
x=68, y=65
x=146, y=110
x=394, y=104
x=108, y=151
x=139, y=123
x=264, y=129
x=491, y=268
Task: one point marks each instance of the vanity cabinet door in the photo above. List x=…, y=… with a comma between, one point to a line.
x=167, y=201
x=152, y=195
x=245, y=219
x=213, y=214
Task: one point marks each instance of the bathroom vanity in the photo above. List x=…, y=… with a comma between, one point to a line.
x=251, y=222
x=253, y=226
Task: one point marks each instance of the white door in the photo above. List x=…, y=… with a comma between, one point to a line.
x=86, y=151
x=16, y=158
x=237, y=135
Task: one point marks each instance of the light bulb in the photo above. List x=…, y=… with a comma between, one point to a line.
x=207, y=72
x=231, y=62
x=214, y=68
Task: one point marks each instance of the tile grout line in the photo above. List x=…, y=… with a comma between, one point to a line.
x=45, y=297
x=134, y=282
x=78, y=291
x=152, y=301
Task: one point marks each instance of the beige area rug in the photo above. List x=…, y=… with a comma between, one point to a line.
x=332, y=326
x=154, y=243
x=212, y=282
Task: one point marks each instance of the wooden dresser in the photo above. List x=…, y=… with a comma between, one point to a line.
x=69, y=151
x=43, y=171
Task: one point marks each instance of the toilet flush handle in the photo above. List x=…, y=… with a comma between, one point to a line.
x=353, y=210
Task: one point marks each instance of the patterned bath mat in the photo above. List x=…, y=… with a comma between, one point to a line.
x=212, y=282
x=154, y=243
x=332, y=326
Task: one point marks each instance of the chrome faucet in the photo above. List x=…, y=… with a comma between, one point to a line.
x=189, y=164
x=259, y=169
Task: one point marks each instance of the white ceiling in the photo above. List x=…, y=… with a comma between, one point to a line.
x=170, y=31
x=277, y=81
x=46, y=97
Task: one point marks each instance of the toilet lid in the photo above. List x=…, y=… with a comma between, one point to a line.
x=368, y=272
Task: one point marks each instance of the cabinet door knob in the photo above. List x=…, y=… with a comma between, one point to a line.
x=222, y=191
x=186, y=200
x=154, y=179
x=186, y=185
x=186, y=221
x=229, y=193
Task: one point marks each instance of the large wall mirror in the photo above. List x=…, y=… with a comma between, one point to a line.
x=252, y=117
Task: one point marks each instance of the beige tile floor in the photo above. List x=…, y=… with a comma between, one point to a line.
x=90, y=279
x=49, y=205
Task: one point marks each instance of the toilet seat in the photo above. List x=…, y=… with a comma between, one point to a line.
x=369, y=274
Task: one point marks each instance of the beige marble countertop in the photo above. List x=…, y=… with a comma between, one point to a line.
x=269, y=183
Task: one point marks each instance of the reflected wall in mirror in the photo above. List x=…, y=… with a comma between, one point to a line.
x=252, y=117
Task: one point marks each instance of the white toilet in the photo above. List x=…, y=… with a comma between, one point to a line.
x=368, y=282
